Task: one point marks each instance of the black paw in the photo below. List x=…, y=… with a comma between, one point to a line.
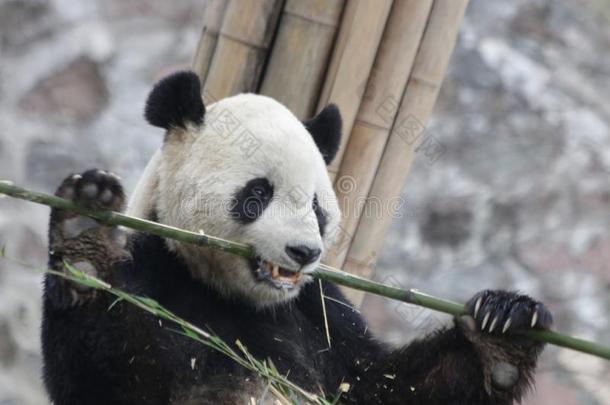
x=502, y=312
x=93, y=189
x=87, y=245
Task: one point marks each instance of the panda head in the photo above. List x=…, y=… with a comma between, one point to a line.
x=244, y=169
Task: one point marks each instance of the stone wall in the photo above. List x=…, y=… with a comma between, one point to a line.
x=74, y=76
x=519, y=199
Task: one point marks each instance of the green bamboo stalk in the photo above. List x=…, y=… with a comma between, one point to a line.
x=323, y=272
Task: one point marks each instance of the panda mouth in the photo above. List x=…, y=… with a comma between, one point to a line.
x=278, y=277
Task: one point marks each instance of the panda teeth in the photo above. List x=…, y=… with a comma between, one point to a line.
x=283, y=277
x=275, y=271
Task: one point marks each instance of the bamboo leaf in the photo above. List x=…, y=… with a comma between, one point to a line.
x=119, y=299
x=190, y=333
x=149, y=302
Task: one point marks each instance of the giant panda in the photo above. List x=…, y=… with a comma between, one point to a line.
x=246, y=169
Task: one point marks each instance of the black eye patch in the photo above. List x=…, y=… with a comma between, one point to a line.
x=250, y=201
x=320, y=215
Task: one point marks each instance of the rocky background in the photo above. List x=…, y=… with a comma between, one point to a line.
x=520, y=198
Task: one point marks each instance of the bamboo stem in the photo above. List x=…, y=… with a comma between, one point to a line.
x=357, y=42
x=378, y=110
x=301, y=49
x=214, y=14
x=323, y=272
x=241, y=50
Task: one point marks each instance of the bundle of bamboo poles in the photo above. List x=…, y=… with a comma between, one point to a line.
x=381, y=61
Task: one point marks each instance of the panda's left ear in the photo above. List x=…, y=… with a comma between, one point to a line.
x=325, y=128
x=175, y=101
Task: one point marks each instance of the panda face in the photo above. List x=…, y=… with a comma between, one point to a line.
x=250, y=172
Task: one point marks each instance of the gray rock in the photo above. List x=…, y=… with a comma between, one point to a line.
x=8, y=347
x=447, y=224
x=48, y=163
x=77, y=94
x=23, y=22
x=519, y=199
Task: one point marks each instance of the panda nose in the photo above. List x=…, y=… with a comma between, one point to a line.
x=303, y=254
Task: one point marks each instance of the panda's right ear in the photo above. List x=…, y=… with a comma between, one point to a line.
x=175, y=101
x=325, y=128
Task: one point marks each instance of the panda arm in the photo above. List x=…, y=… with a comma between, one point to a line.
x=94, y=348
x=99, y=351
x=460, y=363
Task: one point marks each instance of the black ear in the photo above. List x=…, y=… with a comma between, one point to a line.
x=175, y=100
x=325, y=128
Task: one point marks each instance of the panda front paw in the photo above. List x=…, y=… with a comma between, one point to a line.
x=86, y=244
x=494, y=325
x=500, y=312
x=94, y=188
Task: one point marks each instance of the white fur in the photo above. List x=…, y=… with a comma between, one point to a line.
x=143, y=200
x=191, y=180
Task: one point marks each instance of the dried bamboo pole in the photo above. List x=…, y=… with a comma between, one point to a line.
x=300, y=53
x=243, y=43
x=384, y=91
x=407, y=134
x=357, y=43
x=322, y=272
x=214, y=15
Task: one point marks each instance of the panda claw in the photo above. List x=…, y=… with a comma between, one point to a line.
x=493, y=324
x=506, y=325
x=485, y=319
x=534, y=318
x=115, y=176
x=477, y=306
